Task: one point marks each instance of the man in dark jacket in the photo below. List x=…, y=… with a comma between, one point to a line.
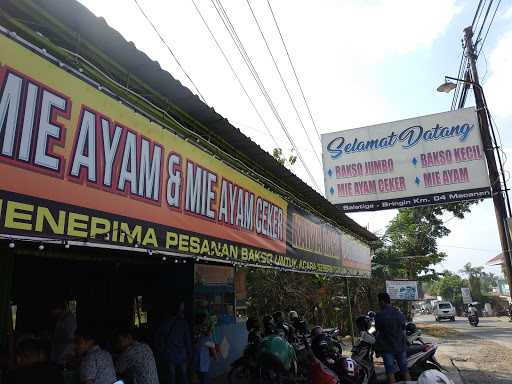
x=391, y=339
x=173, y=342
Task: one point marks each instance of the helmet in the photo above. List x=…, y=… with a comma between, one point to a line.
x=350, y=371
x=433, y=376
x=316, y=331
x=372, y=315
x=293, y=315
x=410, y=328
x=363, y=323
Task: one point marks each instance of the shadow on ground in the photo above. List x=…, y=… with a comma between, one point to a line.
x=478, y=361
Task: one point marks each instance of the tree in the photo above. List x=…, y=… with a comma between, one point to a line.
x=410, y=242
x=288, y=162
x=449, y=287
x=488, y=281
x=474, y=275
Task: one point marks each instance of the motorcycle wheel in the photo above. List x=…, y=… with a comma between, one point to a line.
x=240, y=375
x=269, y=375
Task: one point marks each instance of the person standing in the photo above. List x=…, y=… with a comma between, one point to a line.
x=136, y=363
x=391, y=339
x=96, y=365
x=63, y=334
x=174, y=345
x=204, y=347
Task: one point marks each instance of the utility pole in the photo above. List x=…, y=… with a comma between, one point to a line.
x=494, y=175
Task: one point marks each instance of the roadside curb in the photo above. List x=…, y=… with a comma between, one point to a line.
x=455, y=374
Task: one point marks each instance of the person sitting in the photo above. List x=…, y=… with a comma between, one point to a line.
x=282, y=328
x=253, y=327
x=136, y=362
x=32, y=365
x=472, y=310
x=298, y=324
x=268, y=326
x=96, y=365
x=63, y=334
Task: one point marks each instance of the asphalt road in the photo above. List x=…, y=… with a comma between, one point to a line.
x=494, y=329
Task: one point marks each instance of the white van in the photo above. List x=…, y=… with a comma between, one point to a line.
x=444, y=310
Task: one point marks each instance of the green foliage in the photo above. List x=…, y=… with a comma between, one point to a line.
x=321, y=300
x=488, y=281
x=277, y=153
x=410, y=242
x=449, y=288
x=449, y=285
x=480, y=282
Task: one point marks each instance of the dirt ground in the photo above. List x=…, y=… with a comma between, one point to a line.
x=477, y=360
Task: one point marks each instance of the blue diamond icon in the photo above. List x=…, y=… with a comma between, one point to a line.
x=414, y=161
x=329, y=172
x=417, y=180
x=331, y=190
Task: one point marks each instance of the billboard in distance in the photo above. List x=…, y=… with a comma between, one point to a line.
x=402, y=290
x=432, y=159
x=466, y=295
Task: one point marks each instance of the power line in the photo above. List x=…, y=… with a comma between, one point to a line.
x=293, y=69
x=235, y=74
x=457, y=89
x=283, y=81
x=459, y=97
x=241, y=49
x=483, y=22
x=490, y=24
x=478, y=13
x=168, y=48
x=468, y=248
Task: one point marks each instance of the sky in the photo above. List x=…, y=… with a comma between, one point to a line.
x=359, y=63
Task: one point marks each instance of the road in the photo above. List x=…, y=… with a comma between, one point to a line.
x=478, y=355
x=495, y=329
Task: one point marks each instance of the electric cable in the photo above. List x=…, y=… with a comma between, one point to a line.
x=169, y=49
x=283, y=81
x=293, y=69
x=488, y=28
x=468, y=248
x=477, y=40
x=235, y=74
x=476, y=13
x=238, y=43
x=457, y=89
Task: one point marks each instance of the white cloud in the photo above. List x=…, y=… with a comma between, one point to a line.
x=507, y=14
x=500, y=81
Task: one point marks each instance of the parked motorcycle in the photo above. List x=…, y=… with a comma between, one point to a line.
x=414, y=335
x=273, y=361
x=420, y=354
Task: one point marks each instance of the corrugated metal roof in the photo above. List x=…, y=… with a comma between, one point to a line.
x=95, y=31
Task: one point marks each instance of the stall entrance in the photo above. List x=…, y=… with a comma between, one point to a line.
x=109, y=295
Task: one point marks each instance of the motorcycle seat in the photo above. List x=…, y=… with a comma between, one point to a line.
x=413, y=349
